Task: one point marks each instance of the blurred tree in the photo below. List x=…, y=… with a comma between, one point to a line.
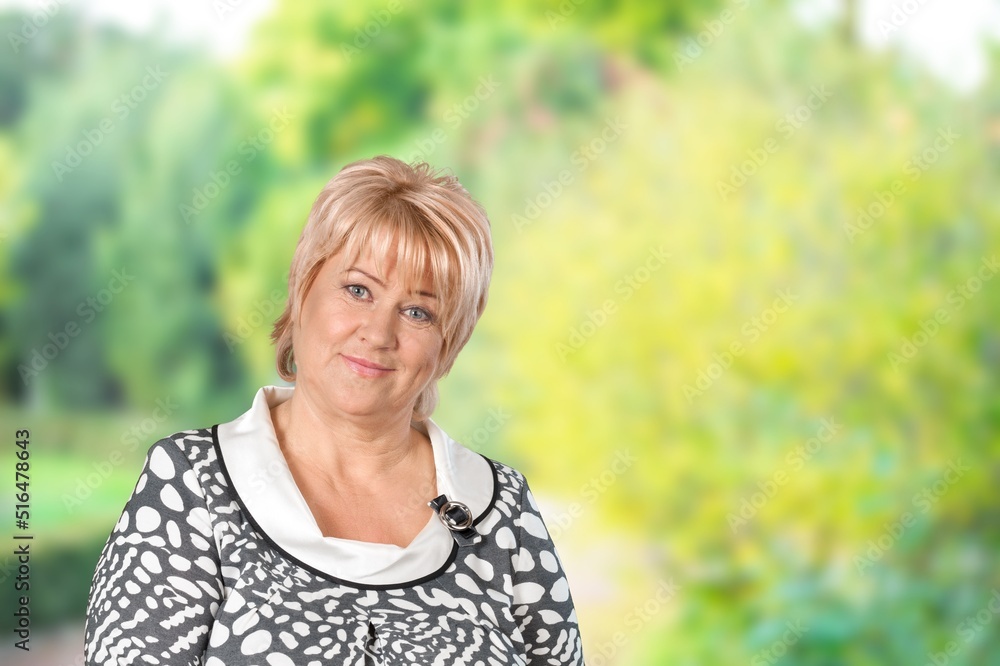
x=105, y=180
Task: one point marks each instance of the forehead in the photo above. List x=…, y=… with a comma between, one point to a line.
x=401, y=247
x=390, y=268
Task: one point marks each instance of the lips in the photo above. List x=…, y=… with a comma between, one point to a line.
x=364, y=367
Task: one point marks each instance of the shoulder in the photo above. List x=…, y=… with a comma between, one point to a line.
x=518, y=509
x=512, y=488
x=507, y=476
x=175, y=454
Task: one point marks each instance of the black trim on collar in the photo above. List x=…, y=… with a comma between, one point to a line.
x=322, y=574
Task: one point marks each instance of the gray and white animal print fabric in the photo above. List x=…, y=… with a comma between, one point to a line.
x=208, y=568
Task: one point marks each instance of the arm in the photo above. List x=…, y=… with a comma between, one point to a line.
x=542, y=605
x=158, y=581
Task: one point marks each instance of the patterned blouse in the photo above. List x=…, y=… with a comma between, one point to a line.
x=217, y=560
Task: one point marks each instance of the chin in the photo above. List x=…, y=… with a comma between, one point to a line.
x=362, y=410
x=356, y=405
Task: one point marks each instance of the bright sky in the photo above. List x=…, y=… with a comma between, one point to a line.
x=224, y=24
x=947, y=35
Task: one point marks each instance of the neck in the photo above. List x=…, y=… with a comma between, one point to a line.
x=350, y=449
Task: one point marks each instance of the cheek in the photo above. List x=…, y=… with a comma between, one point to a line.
x=310, y=338
x=432, y=353
x=423, y=351
x=324, y=323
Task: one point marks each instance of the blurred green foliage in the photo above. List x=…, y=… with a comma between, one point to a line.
x=660, y=347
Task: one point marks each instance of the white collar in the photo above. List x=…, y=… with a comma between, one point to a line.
x=251, y=458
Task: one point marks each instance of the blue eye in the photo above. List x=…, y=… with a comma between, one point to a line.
x=418, y=314
x=357, y=291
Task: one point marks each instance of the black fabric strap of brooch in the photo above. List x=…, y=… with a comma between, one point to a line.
x=456, y=517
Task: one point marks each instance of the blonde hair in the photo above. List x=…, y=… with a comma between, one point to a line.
x=383, y=205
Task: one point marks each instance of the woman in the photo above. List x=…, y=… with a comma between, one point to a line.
x=335, y=523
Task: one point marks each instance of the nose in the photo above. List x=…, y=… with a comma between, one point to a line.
x=379, y=328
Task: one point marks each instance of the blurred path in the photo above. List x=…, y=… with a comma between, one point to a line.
x=62, y=647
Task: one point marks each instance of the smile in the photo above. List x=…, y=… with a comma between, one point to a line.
x=364, y=367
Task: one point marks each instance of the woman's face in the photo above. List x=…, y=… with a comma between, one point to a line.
x=365, y=343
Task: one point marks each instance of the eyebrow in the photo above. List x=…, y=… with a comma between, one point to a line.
x=380, y=283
